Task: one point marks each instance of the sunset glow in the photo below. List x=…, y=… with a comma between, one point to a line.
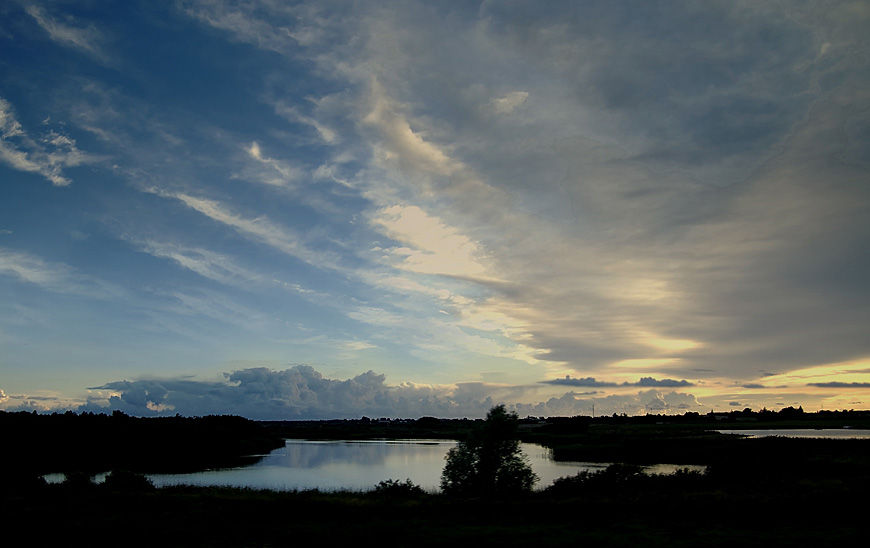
x=337, y=209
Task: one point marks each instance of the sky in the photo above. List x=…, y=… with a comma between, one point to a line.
x=313, y=210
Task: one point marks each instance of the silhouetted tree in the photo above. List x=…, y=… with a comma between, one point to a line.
x=489, y=462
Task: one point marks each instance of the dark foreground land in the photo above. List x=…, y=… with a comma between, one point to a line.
x=618, y=511
x=756, y=492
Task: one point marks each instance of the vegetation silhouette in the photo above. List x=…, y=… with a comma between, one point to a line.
x=489, y=462
x=750, y=485
x=126, y=482
x=91, y=443
x=398, y=489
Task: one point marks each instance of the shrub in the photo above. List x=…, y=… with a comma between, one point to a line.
x=396, y=488
x=122, y=480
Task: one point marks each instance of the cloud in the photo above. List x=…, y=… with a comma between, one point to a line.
x=273, y=172
x=644, y=381
x=293, y=114
x=840, y=384
x=588, y=381
x=70, y=32
x=259, y=229
x=46, y=156
x=247, y=27
x=208, y=264
x=430, y=246
x=40, y=401
x=509, y=102
x=298, y=392
x=652, y=202
x=649, y=381
x=52, y=276
x=408, y=148
x=549, y=190
x=301, y=392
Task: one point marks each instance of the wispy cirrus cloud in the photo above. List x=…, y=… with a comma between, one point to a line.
x=260, y=228
x=611, y=246
x=70, y=32
x=208, y=264
x=52, y=276
x=276, y=172
x=46, y=155
x=294, y=114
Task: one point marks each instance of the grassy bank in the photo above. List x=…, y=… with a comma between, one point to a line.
x=621, y=510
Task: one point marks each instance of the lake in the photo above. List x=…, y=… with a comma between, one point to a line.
x=829, y=433
x=361, y=465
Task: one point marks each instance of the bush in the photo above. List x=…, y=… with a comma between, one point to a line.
x=78, y=480
x=122, y=480
x=396, y=488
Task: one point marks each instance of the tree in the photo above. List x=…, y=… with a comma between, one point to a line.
x=489, y=462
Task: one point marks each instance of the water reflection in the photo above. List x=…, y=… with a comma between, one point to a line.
x=828, y=433
x=360, y=465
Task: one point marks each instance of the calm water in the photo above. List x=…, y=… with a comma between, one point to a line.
x=840, y=433
x=361, y=465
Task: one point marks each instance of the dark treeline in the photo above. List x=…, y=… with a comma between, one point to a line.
x=92, y=443
x=689, y=438
x=788, y=417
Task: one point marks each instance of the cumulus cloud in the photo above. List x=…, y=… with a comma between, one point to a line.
x=41, y=402
x=301, y=392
